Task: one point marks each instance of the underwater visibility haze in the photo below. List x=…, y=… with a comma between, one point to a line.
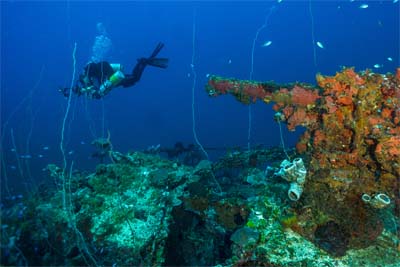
x=200, y=133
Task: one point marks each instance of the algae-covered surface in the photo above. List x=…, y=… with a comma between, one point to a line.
x=143, y=210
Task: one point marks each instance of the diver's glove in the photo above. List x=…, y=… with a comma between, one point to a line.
x=65, y=90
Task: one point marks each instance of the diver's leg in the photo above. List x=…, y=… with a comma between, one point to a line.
x=141, y=64
x=137, y=72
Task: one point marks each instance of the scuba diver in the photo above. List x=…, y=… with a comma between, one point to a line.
x=100, y=78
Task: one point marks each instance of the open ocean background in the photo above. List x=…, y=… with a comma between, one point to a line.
x=37, y=42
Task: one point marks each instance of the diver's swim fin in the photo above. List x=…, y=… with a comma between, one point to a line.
x=141, y=65
x=157, y=50
x=158, y=62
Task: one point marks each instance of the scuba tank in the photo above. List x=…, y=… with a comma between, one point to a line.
x=113, y=81
x=116, y=78
x=116, y=67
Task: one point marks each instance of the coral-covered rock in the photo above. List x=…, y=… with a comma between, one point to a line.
x=352, y=137
x=231, y=214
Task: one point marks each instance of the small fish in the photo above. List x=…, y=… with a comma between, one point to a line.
x=280, y=1
x=71, y=152
x=229, y=61
x=40, y=156
x=25, y=156
x=390, y=59
x=83, y=143
x=13, y=167
x=395, y=1
x=363, y=6
x=320, y=45
x=267, y=43
x=45, y=148
x=13, y=150
x=377, y=66
x=207, y=75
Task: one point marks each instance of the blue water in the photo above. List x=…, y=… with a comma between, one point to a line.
x=37, y=41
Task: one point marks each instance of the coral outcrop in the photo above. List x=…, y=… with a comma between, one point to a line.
x=351, y=141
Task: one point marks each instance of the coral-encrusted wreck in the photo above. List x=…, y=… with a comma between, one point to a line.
x=351, y=143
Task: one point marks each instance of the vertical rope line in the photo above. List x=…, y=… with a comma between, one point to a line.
x=312, y=33
x=252, y=72
x=194, y=84
x=5, y=177
x=255, y=40
x=193, y=98
x=21, y=172
x=5, y=126
x=71, y=121
x=63, y=125
x=102, y=106
x=32, y=124
x=249, y=119
x=103, y=124
x=282, y=142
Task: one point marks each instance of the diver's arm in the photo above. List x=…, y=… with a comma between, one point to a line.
x=76, y=90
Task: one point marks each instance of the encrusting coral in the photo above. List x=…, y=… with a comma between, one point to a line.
x=351, y=143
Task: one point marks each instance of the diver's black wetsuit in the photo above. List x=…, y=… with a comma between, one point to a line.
x=137, y=71
x=96, y=74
